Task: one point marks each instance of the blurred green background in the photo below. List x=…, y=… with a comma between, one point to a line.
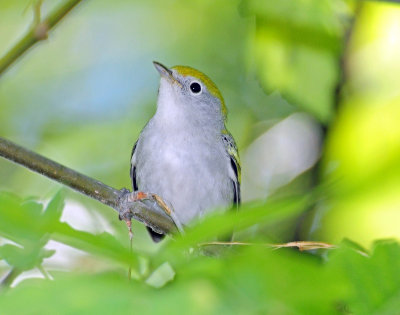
x=312, y=89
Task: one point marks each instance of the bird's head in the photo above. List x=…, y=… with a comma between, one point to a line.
x=190, y=92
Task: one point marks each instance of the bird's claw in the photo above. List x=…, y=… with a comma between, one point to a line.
x=135, y=196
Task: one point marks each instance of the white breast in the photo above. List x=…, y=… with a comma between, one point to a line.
x=188, y=170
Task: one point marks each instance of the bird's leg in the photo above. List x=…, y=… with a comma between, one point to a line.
x=138, y=196
x=130, y=197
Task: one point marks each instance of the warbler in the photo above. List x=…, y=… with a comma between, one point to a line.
x=185, y=154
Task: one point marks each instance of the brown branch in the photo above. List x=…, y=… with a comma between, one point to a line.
x=37, y=32
x=148, y=211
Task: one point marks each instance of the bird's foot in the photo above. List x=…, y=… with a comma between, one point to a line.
x=126, y=197
x=136, y=196
x=169, y=211
x=130, y=197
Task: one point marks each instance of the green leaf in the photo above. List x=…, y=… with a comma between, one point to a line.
x=24, y=258
x=104, y=244
x=25, y=223
x=53, y=211
x=20, y=221
x=253, y=281
x=374, y=280
x=71, y=294
x=296, y=49
x=161, y=276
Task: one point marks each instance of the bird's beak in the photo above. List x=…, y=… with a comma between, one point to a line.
x=165, y=73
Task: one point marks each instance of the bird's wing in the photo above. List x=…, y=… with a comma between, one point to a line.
x=231, y=149
x=133, y=168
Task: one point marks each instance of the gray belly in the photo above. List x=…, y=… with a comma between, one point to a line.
x=192, y=176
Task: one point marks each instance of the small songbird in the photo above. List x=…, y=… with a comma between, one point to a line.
x=185, y=154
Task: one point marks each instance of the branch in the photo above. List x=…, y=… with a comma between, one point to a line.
x=37, y=32
x=342, y=60
x=148, y=211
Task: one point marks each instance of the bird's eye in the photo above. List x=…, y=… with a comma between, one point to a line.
x=195, y=87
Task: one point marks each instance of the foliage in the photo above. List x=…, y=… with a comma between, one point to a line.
x=290, y=36
x=82, y=97
x=362, y=151
x=248, y=279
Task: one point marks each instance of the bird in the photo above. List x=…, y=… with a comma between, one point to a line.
x=185, y=154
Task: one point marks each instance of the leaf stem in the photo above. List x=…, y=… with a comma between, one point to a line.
x=37, y=32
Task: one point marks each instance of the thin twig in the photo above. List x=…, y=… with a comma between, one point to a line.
x=230, y=243
x=129, y=224
x=147, y=211
x=36, y=33
x=301, y=245
x=305, y=245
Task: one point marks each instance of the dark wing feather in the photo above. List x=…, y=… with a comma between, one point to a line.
x=232, y=151
x=235, y=183
x=133, y=170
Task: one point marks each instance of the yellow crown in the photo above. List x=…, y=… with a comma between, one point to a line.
x=211, y=87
